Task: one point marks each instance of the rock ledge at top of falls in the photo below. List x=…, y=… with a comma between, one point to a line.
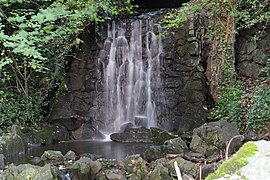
x=141, y=134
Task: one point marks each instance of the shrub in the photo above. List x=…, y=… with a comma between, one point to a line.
x=259, y=114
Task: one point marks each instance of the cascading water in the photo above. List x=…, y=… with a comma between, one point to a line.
x=131, y=72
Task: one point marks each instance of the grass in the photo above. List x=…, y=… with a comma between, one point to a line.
x=239, y=160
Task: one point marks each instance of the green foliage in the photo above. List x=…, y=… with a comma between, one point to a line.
x=239, y=160
x=252, y=12
x=35, y=38
x=229, y=104
x=259, y=114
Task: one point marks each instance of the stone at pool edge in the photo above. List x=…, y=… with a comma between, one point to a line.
x=47, y=135
x=12, y=143
x=133, y=135
x=85, y=168
x=159, y=136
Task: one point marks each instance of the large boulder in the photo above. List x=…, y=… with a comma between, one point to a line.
x=52, y=155
x=211, y=138
x=85, y=168
x=159, y=136
x=28, y=171
x=87, y=131
x=133, y=135
x=250, y=162
x=174, y=146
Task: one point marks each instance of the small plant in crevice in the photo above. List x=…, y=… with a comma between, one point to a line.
x=258, y=116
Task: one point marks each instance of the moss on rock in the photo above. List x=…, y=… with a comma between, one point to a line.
x=239, y=160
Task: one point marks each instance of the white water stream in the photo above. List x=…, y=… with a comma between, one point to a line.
x=131, y=71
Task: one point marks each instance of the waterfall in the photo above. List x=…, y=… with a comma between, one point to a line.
x=130, y=61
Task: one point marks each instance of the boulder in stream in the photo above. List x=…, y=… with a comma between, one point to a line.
x=133, y=135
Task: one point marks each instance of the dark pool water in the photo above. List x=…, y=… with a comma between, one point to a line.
x=108, y=149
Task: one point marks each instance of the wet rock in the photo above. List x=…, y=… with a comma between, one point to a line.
x=70, y=155
x=153, y=153
x=47, y=135
x=133, y=135
x=51, y=155
x=159, y=136
x=28, y=171
x=141, y=121
x=135, y=166
x=85, y=168
x=87, y=131
x=211, y=138
x=126, y=126
x=174, y=146
x=11, y=144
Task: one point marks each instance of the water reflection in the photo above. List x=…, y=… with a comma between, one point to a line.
x=109, y=150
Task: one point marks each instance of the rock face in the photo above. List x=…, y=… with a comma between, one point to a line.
x=47, y=135
x=211, y=138
x=251, y=54
x=133, y=135
x=179, y=101
x=63, y=114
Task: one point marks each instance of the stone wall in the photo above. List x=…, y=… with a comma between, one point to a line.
x=252, y=51
x=181, y=96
